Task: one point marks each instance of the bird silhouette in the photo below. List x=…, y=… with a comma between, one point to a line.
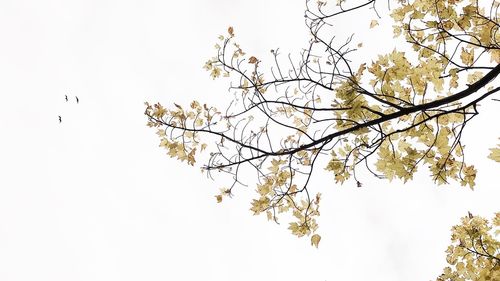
x=60, y=119
x=66, y=97
x=77, y=100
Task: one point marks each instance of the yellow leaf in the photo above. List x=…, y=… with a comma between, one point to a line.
x=447, y=25
x=467, y=57
x=495, y=154
x=219, y=198
x=269, y=215
x=373, y=23
x=474, y=77
x=199, y=122
x=190, y=157
x=215, y=72
x=203, y=146
x=315, y=240
x=260, y=205
x=161, y=132
x=208, y=65
x=469, y=176
x=495, y=55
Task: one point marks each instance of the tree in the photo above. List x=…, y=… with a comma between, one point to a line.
x=389, y=114
x=474, y=253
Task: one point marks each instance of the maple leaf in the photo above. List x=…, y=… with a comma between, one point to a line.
x=495, y=154
x=215, y=73
x=467, y=56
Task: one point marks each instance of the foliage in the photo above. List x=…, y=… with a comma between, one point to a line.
x=474, y=253
x=390, y=114
x=495, y=154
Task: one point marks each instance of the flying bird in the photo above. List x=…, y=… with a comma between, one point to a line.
x=77, y=100
x=66, y=97
x=60, y=119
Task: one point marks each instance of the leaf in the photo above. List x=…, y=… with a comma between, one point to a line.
x=190, y=157
x=252, y=60
x=495, y=55
x=315, y=240
x=467, y=57
x=199, y=122
x=298, y=229
x=373, y=23
x=230, y=30
x=469, y=176
x=269, y=215
x=219, y=198
x=178, y=106
x=259, y=205
x=161, y=133
x=495, y=154
x=215, y=73
x=474, y=77
x=447, y=25
x=203, y=146
x=208, y=65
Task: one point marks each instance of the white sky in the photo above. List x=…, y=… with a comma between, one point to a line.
x=95, y=198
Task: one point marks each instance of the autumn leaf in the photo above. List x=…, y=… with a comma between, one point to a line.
x=252, y=60
x=178, y=106
x=161, y=133
x=373, y=23
x=208, y=65
x=269, y=215
x=467, y=57
x=495, y=55
x=469, y=176
x=474, y=77
x=203, y=146
x=447, y=25
x=215, y=73
x=495, y=154
x=259, y=205
x=191, y=157
x=315, y=240
x=230, y=30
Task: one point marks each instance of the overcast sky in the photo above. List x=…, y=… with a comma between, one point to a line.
x=95, y=198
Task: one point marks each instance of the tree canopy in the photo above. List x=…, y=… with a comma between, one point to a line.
x=390, y=114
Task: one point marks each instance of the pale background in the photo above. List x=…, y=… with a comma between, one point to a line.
x=95, y=198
